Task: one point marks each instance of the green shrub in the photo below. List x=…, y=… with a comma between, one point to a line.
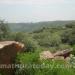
x=69, y=36
x=4, y=30
x=27, y=59
x=30, y=45
x=50, y=40
x=48, y=67
x=26, y=39
x=63, y=47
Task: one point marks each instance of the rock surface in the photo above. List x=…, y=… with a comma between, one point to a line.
x=46, y=55
x=8, y=51
x=57, y=55
x=65, y=53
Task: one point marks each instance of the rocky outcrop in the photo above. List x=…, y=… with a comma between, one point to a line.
x=57, y=55
x=46, y=55
x=63, y=53
x=8, y=51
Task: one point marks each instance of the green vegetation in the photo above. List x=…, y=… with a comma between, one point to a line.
x=28, y=27
x=4, y=30
x=33, y=66
x=52, y=36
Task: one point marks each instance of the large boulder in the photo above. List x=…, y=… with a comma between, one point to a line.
x=65, y=53
x=59, y=55
x=8, y=51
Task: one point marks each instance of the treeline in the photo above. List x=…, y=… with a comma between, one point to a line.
x=28, y=27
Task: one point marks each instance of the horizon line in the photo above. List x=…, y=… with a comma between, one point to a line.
x=40, y=21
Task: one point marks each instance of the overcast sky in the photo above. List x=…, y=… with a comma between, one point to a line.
x=37, y=10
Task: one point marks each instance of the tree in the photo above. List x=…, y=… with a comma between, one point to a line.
x=69, y=34
x=4, y=30
x=30, y=44
x=49, y=40
x=70, y=25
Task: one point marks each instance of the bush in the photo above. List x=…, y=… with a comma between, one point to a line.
x=27, y=59
x=63, y=47
x=69, y=36
x=30, y=44
x=4, y=30
x=48, y=67
x=50, y=41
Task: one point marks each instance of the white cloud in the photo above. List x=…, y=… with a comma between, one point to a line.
x=30, y=1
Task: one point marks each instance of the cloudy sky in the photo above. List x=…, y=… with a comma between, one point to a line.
x=37, y=10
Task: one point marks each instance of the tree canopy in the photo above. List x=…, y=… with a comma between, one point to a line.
x=4, y=30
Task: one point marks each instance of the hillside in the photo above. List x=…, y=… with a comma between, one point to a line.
x=52, y=46
x=28, y=27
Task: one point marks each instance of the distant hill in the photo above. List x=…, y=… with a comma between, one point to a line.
x=28, y=27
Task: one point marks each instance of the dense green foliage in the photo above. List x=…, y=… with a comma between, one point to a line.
x=34, y=66
x=69, y=34
x=52, y=36
x=4, y=30
x=53, y=39
x=26, y=39
x=28, y=27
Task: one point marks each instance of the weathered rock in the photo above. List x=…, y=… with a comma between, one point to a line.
x=8, y=51
x=46, y=55
x=59, y=55
x=58, y=58
x=64, y=53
